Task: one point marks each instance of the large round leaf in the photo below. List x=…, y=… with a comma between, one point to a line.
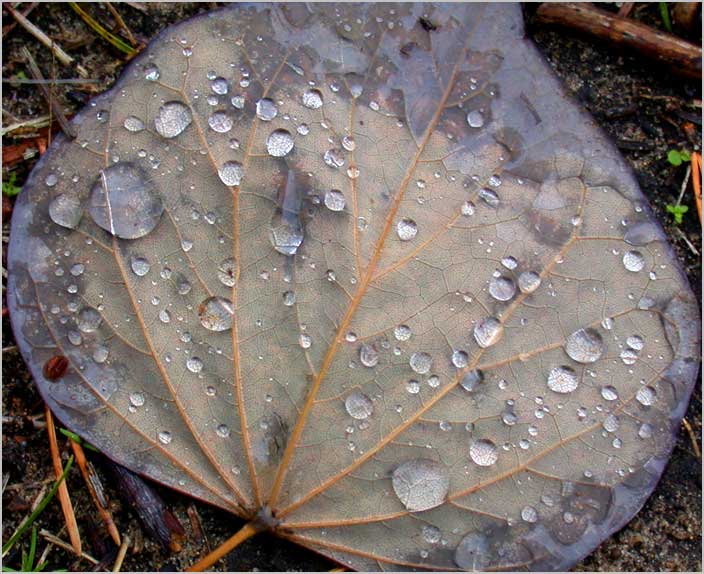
x=365, y=273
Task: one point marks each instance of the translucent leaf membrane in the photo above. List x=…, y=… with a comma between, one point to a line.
x=365, y=267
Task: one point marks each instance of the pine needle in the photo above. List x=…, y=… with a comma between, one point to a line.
x=101, y=31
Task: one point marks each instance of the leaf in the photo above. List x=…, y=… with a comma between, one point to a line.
x=364, y=273
x=677, y=212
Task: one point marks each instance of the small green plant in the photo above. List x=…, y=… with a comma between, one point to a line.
x=678, y=157
x=9, y=187
x=665, y=16
x=75, y=438
x=28, y=557
x=677, y=212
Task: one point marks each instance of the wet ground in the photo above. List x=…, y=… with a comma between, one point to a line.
x=643, y=107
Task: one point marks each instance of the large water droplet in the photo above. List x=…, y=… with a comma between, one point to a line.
x=562, y=380
x=312, y=99
x=279, y=143
x=502, y=288
x=226, y=272
x=421, y=362
x=231, y=173
x=488, y=331
x=368, y=355
x=406, y=229
x=585, y=346
x=194, y=364
x=633, y=261
x=140, y=266
x=471, y=380
x=88, y=320
x=528, y=281
x=164, y=437
x=358, y=405
x=475, y=119
x=334, y=200
x=402, y=332
x=220, y=122
x=266, y=109
x=483, y=452
x=472, y=553
x=65, y=211
x=334, y=158
x=173, y=118
x=420, y=484
x=646, y=396
x=133, y=124
x=124, y=202
x=215, y=314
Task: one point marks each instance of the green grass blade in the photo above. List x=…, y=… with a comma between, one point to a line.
x=665, y=15
x=101, y=31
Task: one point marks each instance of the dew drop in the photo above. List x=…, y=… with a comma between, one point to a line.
x=334, y=200
x=629, y=356
x=289, y=298
x=137, y=400
x=140, y=266
x=219, y=86
x=431, y=534
x=468, y=208
x=488, y=331
x=472, y=553
x=65, y=211
x=585, y=346
x=483, y=452
x=231, y=173
x=100, y=354
x=358, y=405
x=633, y=261
x=133, y=124
x=420, y=362
x=609, y=393
x=164, y=437
x=406, y=229
x=279, y=143
x=528, y=281
x=305, y=341
x=334, y=158
x=194, y=364
x=529, y=514
x=220, y=122
x=89, y=320
x=368, y=356
x=420, y=484
x=635, y=342
x=475, y=119
x=502, y=288
x=460, y=359
x=266, y=110
x=223, y=431
x=227, y=271
x=490, y=197
x=348, y=143
x=402, y=332
x=510, y=262
x=312, y=99
x=562, y=380
x=646, y=396
x=215, y=314
x=471, y=380
x=173, y=119
x=151, y=73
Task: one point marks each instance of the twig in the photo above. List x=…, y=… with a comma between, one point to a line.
x=34, y=123
x=65, y=545
x=683, y=187
x=625, y=10
x=681, y=57
x=696, y=160
x=93, y=483
x=246, y=532
x=62, y=56
x=687, y=241
x=54, y=81
x=121, y=23
x=26, y=12
x=121, y=554
x=693, y=438
x=64, y=498
x=53, y=104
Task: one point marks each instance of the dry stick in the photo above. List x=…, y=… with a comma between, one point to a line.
x=121, y=554
x=693, y=438
x=46, y=535
x=64, y=498
x=247, y=531
x=625, y=10
x=91, y=477
x=684, y=58
x=696, y=161
x=121, y=23
x=62, y=56
x=53, y=104
x=26, y=12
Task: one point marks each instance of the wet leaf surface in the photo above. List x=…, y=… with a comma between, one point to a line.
x=369, y=271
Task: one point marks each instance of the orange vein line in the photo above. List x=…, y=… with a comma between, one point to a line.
x=369, y=273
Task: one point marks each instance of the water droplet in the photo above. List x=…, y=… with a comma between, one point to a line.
x=133, y=124
x=220, y=122
x=413, y=387
x=368, y=355
x=509, y=262
x=562, y=380
x=223, y=431
x=471, y=380
x=529, y=514
x=194, y=364
x=215, y=314
x=238, y=101
x=231, y=173
x=305, y=341
x=289, y=298
x=140, y=266
x=348, y=143
x=220, y=86
x=488, y=331
x=585, y=346
x=124, y=202
x=420, y=484
x=502, y=288
x=528, y=281
x=358, y=405
x=312, y=99
x=227, y=272
x=609, y=393
x=611, y=423
x=89, y=320
x=646, y=396
x=266, y=110
x=164, y=316
x=402, y=332
x=472, y=553
x=483, y=452
x=137, y=400
x=406, y=229
x=633, y=261
x=431, y=534
x=460, y=359
x=420, y=362
x=334, y=200
x=468, y=208
x=635, y=342
x=334, y=158
x=279, y=143
x=490, y=197
x=475, y=119
x=65, y=211
x=100, y=354
x=629, y=356
x=164, y=437
x=645, y=431
x=151, y=73
x=173, y=119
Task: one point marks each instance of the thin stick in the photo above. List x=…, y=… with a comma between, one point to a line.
x=687, y=242
x=64, y=498
x=26, y=12
x=33, y=124
x=696, y=160
x=46, y=535
x=121, y=554
x=684, y=184
x=89, y=476
x=121, y=23
x=62, y=56
x=247, y=531
x=692, y=437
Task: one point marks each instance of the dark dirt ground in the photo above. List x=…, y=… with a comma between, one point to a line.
x=641, y=105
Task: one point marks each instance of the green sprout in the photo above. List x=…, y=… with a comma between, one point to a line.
x=9, y=187
x=677, y=212
x=678, y=157
x=665, y=16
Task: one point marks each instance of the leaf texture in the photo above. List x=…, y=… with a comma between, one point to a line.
x=363, y=271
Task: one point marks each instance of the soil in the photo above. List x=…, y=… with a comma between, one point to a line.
x=641, y=105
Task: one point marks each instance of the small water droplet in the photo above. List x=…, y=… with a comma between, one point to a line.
x=633, y=261
x=368, y=355
x=289, y=298
x=266, y=110
x=220, y=122
x=431, y=534
x=140, y=266
x=475, y=119
x=471, y=380
x=528, y=281
x=222, y=430
x=219, y=86
x=279, y=143
x=420, y=484
x=164, y=437
x=488, y=331
x=490, y=197
x=133, y=124
x=215, y=314
x=609, y=393
x=646, y=396
x=562, y=380
x=334, y=158
x=502, y=288
x=312, y=99
x=137, y=400
x=529, y=514
x=420, y=362
x=585, y=346
x=231, y=173
x=483, y=452
x=406, y=229
x=402, y=332
x=635, y=342
x=151, y=73
x=460, y=359
x=88, y=320
x=358, y=405
x=194, y=364
x=65, y=211
x=334, y=200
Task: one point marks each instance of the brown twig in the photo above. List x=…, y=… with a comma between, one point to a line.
x=696, y=160
x=682, y=57
x=93, y=482
x=26, y=12
x=121, y=554
x=53, y=103
x=121, y=24
x=62, y=56
x=48, y=536
x=62, y=492
x=693, y=438
x=625, y=10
